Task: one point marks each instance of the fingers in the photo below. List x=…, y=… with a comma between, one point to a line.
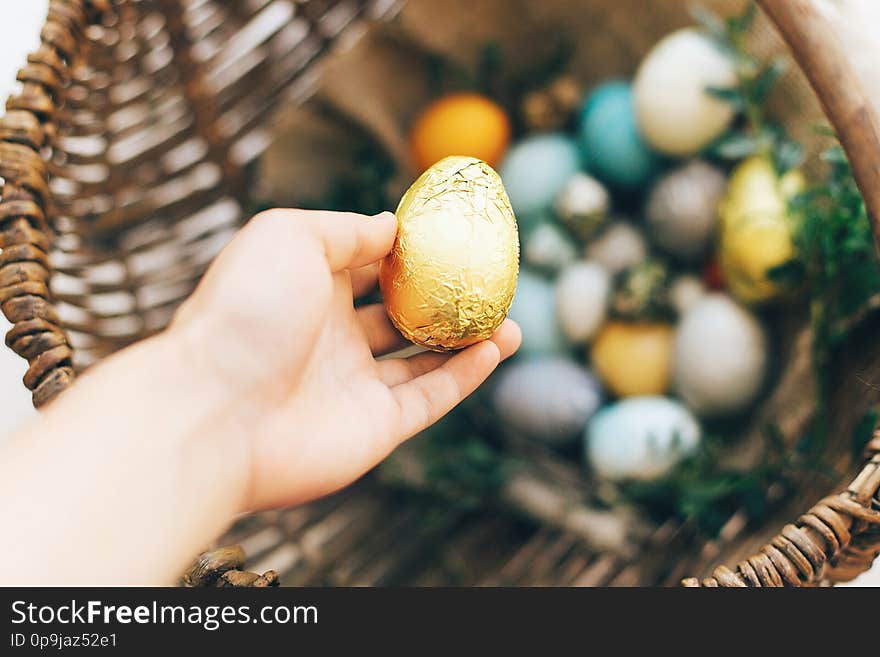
x=508, y=338
x=430, y=395
x=364, y=279
x=348, y=240
x=395, y=371
x=382, y=337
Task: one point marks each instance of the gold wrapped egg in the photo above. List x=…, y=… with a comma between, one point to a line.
x=756, y=228
x=451, y=274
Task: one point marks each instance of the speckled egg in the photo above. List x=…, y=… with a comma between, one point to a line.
x=548, y=247
x=682, y=209
x=582, y=206
x=582, y=293
x=611, y=140
x=633, y=359
x=534, y=309
x=720, y=357
x=676, y=114
x=535, y=171
x=549, y=399
x=619, y=246
x=641, y=438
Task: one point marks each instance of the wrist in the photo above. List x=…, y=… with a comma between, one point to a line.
x=214, y=419
x=162, y=456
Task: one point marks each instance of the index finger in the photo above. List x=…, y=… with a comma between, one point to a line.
x=349, y=240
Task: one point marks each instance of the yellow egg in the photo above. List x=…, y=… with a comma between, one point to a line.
x=634, y=358
x=756, y=228
x=460, y=124
x=451, y=274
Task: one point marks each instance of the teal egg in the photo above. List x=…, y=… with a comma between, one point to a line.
x=640, y=438
x=535, y=171
x=609, y=136
x=534, y=309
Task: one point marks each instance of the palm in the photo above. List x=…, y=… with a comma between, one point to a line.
x=322, y=410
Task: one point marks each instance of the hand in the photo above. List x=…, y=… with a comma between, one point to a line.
x=274, y=320
x=263, y=391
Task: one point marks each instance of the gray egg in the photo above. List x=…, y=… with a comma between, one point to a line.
x=619, y=246
x=682, y=209
x=549, y=399
x=720, y=357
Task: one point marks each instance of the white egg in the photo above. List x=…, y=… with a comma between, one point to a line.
x=583, y=205
x=548, y=247
x=618, y=247
x=719, y=357
x=685, y=291
x=582, y=294
x=550, y=399
x=640, y=438
x=682, y=209
x=675, y=113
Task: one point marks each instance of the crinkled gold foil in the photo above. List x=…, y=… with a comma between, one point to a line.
x=451, y=275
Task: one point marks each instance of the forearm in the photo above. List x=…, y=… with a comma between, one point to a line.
x=125, y=477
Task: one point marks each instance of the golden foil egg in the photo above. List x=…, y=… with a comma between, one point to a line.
x=451, y=274
x=756, y=228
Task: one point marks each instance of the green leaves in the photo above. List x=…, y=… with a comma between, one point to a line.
x=704, y=491
x=756, y=79
x=765, y=79
x=722, y=29
x=863, y=432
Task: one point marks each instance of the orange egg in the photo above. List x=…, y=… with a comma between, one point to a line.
x=460, y=124
x=633, y=358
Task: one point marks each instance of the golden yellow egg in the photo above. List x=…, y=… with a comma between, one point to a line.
x=756, y=228
x=634, y=358
x=460, y=124
x=451, y=274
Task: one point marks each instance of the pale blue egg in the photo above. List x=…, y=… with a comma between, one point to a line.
x=550, y=399
x=535, y=171
x=609, y=136
x=640, y=438
x=534, y=309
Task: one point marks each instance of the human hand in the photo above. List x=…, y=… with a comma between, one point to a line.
x=264, y=391
x=274, y=322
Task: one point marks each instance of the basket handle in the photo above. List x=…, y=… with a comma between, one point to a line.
x=839, y=538
x=823, y=59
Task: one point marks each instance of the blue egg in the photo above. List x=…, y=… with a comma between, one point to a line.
x=610, y=138
x=640, y=438
x=535, y=171
x=549, y=399
x=534, y=309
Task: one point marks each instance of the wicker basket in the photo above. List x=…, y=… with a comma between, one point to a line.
x=127, y=161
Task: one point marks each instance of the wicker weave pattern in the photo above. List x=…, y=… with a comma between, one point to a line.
x=836, y=540
x=147, y=145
